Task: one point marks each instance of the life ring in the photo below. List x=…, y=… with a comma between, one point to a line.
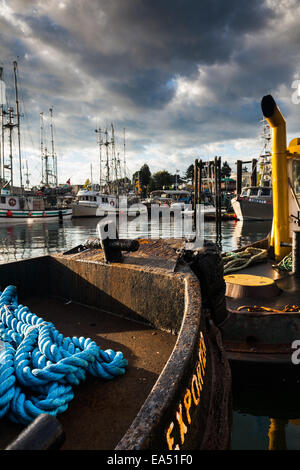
x=112, y=203
x=12, y=201
x=9, y=213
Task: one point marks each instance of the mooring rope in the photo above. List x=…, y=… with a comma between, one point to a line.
x=286, y=264
x=234, y=261
x=39, y=366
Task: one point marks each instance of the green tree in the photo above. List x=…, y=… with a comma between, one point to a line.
x=145, y=175
x=189, y=174
x=225, y=170
x=162, y=179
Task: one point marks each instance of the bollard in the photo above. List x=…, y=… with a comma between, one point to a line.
x=113, y=246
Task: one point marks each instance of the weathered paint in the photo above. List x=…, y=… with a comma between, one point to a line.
x=185, y=412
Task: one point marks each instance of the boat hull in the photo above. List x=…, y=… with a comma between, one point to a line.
x=189, y=404
x=250, y=209
x=90, y=211
x=30, y=216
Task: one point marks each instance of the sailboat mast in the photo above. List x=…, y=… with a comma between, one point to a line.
x=18, y=121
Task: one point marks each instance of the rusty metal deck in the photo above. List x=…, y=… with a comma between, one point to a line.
x=101, y=410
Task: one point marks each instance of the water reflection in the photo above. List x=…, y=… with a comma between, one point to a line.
x=266, y=417
x=21, y=241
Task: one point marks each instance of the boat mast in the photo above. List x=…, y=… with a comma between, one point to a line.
x=46, y=167
x=54, y=158
x=100, y=143
x=107, y=160
x=114, y=158
x=124, y=158
x=42, y=145
x=18, y=121
x=9, y=166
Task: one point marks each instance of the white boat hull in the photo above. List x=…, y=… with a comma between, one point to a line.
x=17, y=216
x=80, y=210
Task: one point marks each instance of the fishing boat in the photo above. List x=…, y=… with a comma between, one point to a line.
x=15, y=208
x=89, y=203
x=98, y=200
x=256, y=201
x=17, y=204
x=262, y=332
x=142, y=304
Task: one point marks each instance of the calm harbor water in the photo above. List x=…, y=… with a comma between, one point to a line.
x=20, y=241
x=253, y=420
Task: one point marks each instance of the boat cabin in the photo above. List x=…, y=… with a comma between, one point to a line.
x=95, y=198
x=260, y=192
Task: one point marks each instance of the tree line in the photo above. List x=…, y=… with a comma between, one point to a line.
x=164, y=180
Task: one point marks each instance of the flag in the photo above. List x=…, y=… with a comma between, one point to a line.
x=69, y=181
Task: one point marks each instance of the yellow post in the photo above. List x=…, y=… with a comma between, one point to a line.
x=277, y=440
x=279, y=176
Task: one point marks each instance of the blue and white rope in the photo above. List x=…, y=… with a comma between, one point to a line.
x=39, y=366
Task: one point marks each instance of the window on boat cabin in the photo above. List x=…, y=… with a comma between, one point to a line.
x=105, y=199
x=254, y=191
x=245, y=192
x=3, y=199
x=265, y=192
x=296, y=176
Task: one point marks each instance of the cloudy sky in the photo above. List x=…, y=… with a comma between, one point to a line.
x=183, y=77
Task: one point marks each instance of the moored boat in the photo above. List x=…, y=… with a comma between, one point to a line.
x=254, y=203
x=176, y=390
x=262, y=332
x=22, y=208
x=89, y=203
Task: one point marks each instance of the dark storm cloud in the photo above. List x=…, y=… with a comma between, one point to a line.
x=142, y=45
x=180, y=73
x=170, y=38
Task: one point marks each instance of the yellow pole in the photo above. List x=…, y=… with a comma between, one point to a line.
x=276, y=433
x=279, y=176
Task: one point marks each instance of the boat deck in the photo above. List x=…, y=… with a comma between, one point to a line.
x=289, y=288
x=101, y=410
x=259, y=342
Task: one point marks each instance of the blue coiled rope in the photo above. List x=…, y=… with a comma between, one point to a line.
x=39, y=366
